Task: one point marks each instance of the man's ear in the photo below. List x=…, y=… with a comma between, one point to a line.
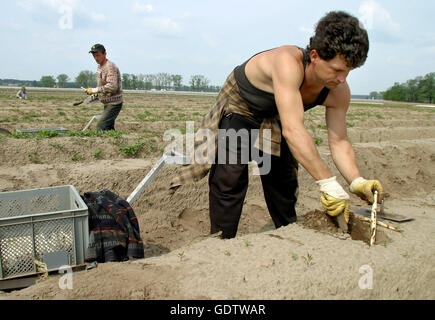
x=314, y=55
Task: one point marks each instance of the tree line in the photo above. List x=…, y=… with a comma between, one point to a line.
x=420, y=89
x=159, y=81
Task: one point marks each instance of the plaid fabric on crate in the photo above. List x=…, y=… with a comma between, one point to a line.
x=228, y=101
x=113, y=227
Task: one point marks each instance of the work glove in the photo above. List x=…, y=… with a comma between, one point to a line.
x=91, y=90
x=334, y=199
x=365, y=189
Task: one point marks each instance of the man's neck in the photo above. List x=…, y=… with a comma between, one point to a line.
x=312, y=82
x=104, y=62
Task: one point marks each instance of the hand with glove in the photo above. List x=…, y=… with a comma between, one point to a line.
x=334, y=198
x=91, y=90
x=365, y=189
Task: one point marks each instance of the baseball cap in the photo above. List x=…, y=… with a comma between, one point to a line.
x=97, y=48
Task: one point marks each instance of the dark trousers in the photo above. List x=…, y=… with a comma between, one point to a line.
x=229, y=183
x=107, y=120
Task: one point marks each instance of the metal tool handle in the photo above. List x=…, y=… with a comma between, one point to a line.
x=166, y=158
x=90, y=122
x=373, y=219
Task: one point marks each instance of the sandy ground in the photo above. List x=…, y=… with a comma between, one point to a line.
x=310, y=259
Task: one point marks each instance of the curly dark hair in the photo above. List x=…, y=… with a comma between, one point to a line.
x=340, y=33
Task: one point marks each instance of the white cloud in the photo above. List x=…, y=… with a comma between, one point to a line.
x=425, y=39
x=25, y=4
x=202, y=59
x=186, y=15
x=17, y=27
x=142, y=7
x=428, y=50
x=399, y=61
x=98, y=17
x=309, y=31
x=374, y=16
x=210, y=41
x=59, y=4
x=234, y=59
x=163, y=25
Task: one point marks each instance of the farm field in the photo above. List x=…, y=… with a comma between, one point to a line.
x=310, y=259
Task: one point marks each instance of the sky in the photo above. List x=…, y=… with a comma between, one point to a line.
x=188, y=37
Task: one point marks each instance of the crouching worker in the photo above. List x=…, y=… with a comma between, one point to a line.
x=22, y=94
x=272, y=90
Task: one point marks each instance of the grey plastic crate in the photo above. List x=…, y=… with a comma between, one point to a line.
x=40, y=221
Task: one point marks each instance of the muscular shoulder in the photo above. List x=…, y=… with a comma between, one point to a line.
x=288, y=64
x=339, y=97
x=277, y=67
x=289, y=57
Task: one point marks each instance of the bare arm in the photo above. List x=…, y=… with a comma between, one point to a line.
x=287, y=76
x=342, y=152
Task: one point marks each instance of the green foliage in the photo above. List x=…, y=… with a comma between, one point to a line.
x=375, y=95
x=158, y=81
x=52, y=98
x=143, y=115
x=132, y=150
x=48, y=133
x=47, y=81
x=33, y=156
x=54, y=133
x=198, y=82
x=318, y=141
x=420, y=89
x=181, y=255
x=29, y=117
x=176, y=80
x=97, y=154
x=57, y=145
x=322, y=126
x=62, y=80
x=86, y=79
x=77, y=157
x=308, y=259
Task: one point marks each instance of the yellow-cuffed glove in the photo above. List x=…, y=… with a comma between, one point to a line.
x=334, y=199
x=91, y=90
x=365, y=189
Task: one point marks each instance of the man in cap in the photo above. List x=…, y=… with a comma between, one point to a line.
x=109, y=88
